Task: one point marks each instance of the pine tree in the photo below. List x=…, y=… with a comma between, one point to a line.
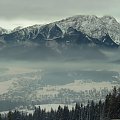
x=65, y=113
x=59, y=113
x=0, y=117
x=77, y=112
x=9, y=115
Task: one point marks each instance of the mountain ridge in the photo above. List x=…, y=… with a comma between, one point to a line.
x=100, y=31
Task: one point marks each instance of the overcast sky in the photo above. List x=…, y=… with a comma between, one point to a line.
x=28, y=12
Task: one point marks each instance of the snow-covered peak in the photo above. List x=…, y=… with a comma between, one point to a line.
x=109, y=19
x=113, y=28
x=17, y=29
x=93, y=26
x=3, y=31
x=88, y=24
x=82, y=17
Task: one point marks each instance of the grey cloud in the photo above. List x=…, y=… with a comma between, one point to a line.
x=56, y=9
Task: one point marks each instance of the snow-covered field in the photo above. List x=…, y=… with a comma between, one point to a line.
x=5, y=85
x=46, y=107
x=31, y=81
x=46, y=84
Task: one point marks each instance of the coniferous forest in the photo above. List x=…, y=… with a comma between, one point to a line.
x=107, y=110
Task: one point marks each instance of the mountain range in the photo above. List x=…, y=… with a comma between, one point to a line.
x=80, y=30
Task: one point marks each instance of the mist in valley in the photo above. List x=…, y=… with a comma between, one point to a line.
x=30, y=76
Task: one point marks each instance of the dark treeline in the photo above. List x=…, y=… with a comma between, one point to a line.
x=107, y=110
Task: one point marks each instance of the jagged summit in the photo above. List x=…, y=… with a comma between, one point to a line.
x=108, y=18
x=17, y=29
x=113, y=28
x=3, y=31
